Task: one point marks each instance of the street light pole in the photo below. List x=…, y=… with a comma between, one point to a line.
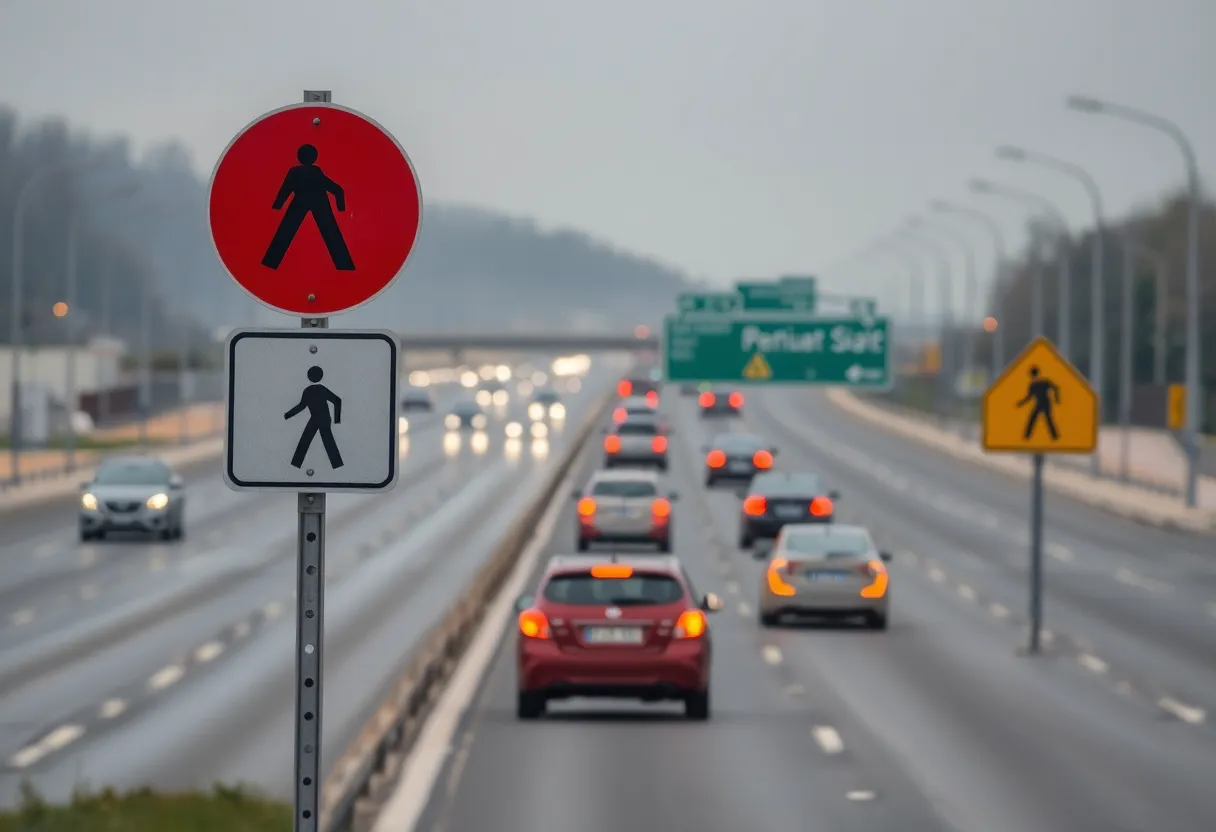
x=70, y=370
x=946, y=291
x=970, y=290
x=1161, y=292
x=1126, y=379
x=1097, y=287
x=1194, y=358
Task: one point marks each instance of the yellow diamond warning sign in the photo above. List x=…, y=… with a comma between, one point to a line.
x=757, y=368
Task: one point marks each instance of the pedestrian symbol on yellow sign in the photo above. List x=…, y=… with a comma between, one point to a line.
x=1042, y=391
x=757, y=368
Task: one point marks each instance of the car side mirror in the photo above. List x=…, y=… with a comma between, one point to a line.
x=523, y=602
x=773, y=451
x=885, y=557
x=576, y=494
x=673, y=496
x=712, y=602
x=835, y=495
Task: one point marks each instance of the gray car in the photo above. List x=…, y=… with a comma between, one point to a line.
x=133, y=494
x=638, y=441
x=624, y=506
x=826, y=571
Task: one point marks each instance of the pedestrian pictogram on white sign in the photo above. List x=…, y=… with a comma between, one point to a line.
x=311, y=409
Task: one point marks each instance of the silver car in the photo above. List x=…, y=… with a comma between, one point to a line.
x=133, y=494
x=638, y=441
x=826, y=571
x=624, y=507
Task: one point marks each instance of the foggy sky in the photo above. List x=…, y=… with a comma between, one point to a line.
x=728, y=138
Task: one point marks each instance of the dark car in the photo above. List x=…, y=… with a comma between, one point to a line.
x=465, y=415
x=776, y=498
x=639, y=386
x=720, y=403
x=624, y=628
x=737, y=456
x=417, y=398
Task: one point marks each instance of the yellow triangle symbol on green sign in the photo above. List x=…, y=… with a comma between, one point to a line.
x=757, y=368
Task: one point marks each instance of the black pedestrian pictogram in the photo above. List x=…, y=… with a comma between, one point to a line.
x=1042, y=391
x=309, y=188
x=316, y=398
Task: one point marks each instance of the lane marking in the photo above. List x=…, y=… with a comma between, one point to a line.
x=22, y=617
x=732, y=587
x=828, y=739
x=772, y=654
x=744, y=609
x=966, y=592
x=1059, y=551
x=1130, y=578
x=208, y=651
x=1187, y=713
x=860, y=795
x=272, y=610
x=166, y=676
x=1047, y=636
x=936, y=574
x=998, y=610
x=1092, y=662
x=54, y=741
x=242, y=629
x=112, y=708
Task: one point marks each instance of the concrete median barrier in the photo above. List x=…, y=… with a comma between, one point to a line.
x=366, y=773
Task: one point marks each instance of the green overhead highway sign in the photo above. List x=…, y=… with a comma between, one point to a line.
x=721, y=303
x=775, y=349
x=790, y=295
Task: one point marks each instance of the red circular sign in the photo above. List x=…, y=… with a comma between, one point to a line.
x=314, y=209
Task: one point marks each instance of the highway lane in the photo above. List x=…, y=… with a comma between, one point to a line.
x=937, y=723
x=1140, y=604
x=204, y=693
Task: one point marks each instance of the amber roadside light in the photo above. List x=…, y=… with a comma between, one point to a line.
x=60, y=310
x=641, y=331
x=990, y=324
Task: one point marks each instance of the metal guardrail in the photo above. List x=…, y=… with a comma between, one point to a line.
x=367, y=772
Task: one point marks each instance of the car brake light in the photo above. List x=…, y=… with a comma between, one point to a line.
x=755, y=505
x=619, y=415
x=690, y=624
x=611, y=570
x=736, y=400
x=776, y=583
x=715, y=459
x=762, y=459
x=821, y=507
x=707, y=399
x=612, y=444
x=652, y=399
x=878, y=588
x=624, y=388
x=533, y=624
x=659, y=444
x=661, y=508
x=586, y=507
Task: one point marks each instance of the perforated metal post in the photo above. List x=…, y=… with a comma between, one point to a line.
x=310, y=631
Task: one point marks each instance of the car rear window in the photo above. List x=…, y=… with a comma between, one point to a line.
x=623, y=488
x=838, y=543
x=637, y=590
x=738, y=442
x=466, y=409
x=805, y=485
x=637, y=429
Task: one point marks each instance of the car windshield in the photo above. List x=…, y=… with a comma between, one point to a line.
x=796, y=485
x=548, y=395
x=637, y=429
x=466, y=409
x=133, y=473
x=637, y=590
x=837, y=543
x=738, y=442
x=624, y=488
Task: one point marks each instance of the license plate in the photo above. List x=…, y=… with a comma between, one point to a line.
x=825, y=576
x=740, y=466
x=789, y=512
x=613, y=635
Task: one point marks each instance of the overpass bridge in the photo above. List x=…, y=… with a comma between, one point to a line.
x=558, y=342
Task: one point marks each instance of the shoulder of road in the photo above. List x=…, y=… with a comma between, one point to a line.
x=1140, y=504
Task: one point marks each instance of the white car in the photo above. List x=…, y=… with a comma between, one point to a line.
x=624, y=506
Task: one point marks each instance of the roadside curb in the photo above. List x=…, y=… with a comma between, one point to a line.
x=1142, y=505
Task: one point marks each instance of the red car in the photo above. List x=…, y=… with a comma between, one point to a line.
x=618, y=627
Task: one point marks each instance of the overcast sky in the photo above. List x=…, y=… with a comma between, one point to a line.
x=727, y=137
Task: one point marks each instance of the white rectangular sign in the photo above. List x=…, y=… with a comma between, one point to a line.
x=311, y=410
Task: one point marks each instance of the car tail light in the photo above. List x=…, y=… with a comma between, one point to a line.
x=715, y=459
x=762, y=460
x=707, y=399
x=659, y=444
x=776, y=583
x=690, y=624
x=533, y=624
x=652, y=399
x=586, y=507
x=736, y=400
x=619, y=415
x=878, y=587
x=755, y=505
x=821, y=507
x=612, y=444
x=661, y=508
x=611, y=570
x=624, y=388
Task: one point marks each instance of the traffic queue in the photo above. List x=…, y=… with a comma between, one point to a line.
x=611, y=622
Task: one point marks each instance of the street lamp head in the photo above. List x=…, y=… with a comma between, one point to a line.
x=1010, y=153
x=1085, y=104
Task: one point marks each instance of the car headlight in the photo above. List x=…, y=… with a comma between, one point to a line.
x=479, y=421
x=557, y=411
x=484, y=398
x=451, y=421
x=539, y=430
x=501, y=398
x=403, y=425
x=514, y=430
x=536, y=411
x=158, y=501
x=89, y=501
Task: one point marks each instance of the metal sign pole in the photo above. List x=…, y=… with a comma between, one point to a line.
x=310, y=631
x=1036, y=554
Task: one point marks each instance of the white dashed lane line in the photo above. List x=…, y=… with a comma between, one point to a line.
x=112, y=708
x=22, y=617
x=1093, y=663
x=1059, y=551
x=936, y=575
x=772, y=654
x=998, y=610
x=744, y=609
x=966, y=592
x=827, y=738
x=166, y=676
x=208, y=651
x=732, y=587
x=61, y=737
x=1187, y=713
x=860, y=795
x=1130, y=578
